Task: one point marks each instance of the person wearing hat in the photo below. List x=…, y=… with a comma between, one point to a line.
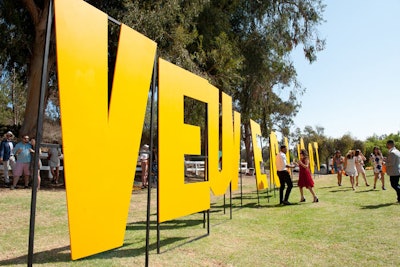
x=7, y=156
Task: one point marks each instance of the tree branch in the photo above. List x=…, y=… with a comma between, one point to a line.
x=33, y=10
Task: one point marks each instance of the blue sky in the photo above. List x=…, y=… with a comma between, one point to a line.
x=353, y=87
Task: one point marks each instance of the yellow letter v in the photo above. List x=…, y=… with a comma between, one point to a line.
x=100, y=145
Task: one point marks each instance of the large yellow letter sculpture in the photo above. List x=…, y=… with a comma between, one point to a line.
x=176, y=139
x=236, y=149
x=98, y=188
x=311, y=157
x=316, y=155
x=273, y=152
x=220, y=179
x=257, y=154
x=99, y=174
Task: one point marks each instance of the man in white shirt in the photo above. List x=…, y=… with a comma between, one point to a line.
x=284, y=176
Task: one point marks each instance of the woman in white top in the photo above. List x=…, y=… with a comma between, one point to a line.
x=360, y=158
x=350, y=167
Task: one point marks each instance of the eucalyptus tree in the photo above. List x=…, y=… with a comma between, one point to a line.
x=242, y=47
x=261, y=35
x=23, y=29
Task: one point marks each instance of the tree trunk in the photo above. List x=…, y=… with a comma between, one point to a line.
x=247, y=142
x=35, y=73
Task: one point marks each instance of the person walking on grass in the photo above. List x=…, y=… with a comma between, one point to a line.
x=338, y=165
x=377, y=161
x=350, y=167
x=359, y=159
x=144, y=162
x=393, y=167
x=305, y=178
x=284, y=176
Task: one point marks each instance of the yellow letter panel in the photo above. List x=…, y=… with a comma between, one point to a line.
x=99, y=172
x=261, y=178
x=273, y=150
x=177, y=199
x=220, y=179
x=311, y=157
x=236, y=149
x=316, y=155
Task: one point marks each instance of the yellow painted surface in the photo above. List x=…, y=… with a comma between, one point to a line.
x=287, y=154
x=311, y=157
x=316, y=155
x=261, y=178
x=302, y=146
x=274, y=150
x=220, y=179
x=177, y=199
x=98, y=173
x=236, y=149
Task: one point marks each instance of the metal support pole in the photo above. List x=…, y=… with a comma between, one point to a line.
x=153, y=86
x=258, y=195
x=230, y=198
x=224, y=205
x=241, y=187
x=208, y=222
x=39, y=132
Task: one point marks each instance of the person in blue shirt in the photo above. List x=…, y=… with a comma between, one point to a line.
x=6, y=155
x=22, y=152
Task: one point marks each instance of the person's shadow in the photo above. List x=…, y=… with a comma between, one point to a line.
x=377, y=206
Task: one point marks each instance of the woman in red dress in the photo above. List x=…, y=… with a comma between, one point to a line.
x=305, y=179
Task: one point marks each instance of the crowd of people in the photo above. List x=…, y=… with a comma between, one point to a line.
x=18, y=156
x=351, y=165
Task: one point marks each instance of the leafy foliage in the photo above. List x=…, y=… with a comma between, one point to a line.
x=12, y=99
x=242, y=47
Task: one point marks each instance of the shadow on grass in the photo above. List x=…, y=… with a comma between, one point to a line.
x=365, y=191
x=341, y=190
x=371, y=207
x=326, y=187
x=62, y=254
x=173, y=225
x=182, y=244
x=253, y=195
x=56, y=254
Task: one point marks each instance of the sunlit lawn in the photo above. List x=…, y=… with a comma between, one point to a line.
x=345, y=228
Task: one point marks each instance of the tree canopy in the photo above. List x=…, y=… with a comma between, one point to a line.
x=242, y=47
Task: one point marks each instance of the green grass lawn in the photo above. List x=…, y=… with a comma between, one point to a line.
x=346, y=228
